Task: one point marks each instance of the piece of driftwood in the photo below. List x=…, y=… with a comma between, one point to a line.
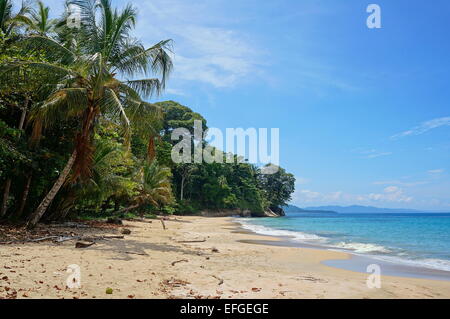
x=69, y=225
x=113, y=237
x=42, y=239
x=180, y=261
x=81, y=244
x=191, y=241
x=64, y=239
x=133, y=253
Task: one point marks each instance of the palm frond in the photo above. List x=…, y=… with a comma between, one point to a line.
x=52, y=50
x=60, y=106
x=113, y=109
x=146, y=87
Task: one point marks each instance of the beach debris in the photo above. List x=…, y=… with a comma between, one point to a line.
x=191, y=241
x=163, y=224
x=109, y=291
x=214, y=250
x=175, y=283
x=313, y=279
x=219, y=279
x=134, y=253
x=112, y=237
x=126, y=231
x=69, y=225
x=82, y=244
x=114, y=221
x=180, y=261
x=256, y=289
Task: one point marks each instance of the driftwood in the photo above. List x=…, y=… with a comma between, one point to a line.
x=112, y=237
x=29, y=240
x=69, y=225
x=180, y=261
x=191, y=241
x=133, y=253
x=42, y=239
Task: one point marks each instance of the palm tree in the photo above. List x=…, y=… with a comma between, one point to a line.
x=156, y=187
x=86, y=82
x=40, y=21
x=9, y=20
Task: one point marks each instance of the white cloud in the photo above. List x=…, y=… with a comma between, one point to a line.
x=424, y=127
x=205, y=51
x=374, y=153
x=175, y=92
x=390, y=194
x=301, y=180
x=400, y=183
x=436, y=171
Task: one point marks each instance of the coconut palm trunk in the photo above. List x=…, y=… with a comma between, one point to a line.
x=40, y=211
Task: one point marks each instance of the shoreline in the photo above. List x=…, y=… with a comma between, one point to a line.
x=193, y=258
x=355, y=262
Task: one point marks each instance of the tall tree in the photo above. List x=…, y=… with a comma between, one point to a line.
x=83, y=83
x=9, y=20
x=40, y=21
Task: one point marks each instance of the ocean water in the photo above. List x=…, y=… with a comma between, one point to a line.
x=421, y=240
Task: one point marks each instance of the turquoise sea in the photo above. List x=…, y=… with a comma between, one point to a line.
x=421, y=240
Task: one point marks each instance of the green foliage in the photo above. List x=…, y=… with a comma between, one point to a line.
x=64, y=83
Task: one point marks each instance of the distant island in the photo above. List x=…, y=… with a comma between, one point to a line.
x=354, y=209
x=295, y=209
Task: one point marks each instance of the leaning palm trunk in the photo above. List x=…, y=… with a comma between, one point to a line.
x=40, y=211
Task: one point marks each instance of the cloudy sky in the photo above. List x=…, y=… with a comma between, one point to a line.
x=364, y=114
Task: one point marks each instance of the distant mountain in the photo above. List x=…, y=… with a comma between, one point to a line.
x=362, y=210
x=294, y=209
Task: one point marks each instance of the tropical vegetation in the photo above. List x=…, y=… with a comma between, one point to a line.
x=78, y=135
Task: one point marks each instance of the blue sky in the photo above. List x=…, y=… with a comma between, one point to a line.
x=364, y=114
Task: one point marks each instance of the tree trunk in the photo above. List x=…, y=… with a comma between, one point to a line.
x=40, y=211
x=23, y=201
x=5, y=198
x=125, y=210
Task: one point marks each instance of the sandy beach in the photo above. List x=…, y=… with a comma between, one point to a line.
x=194, y=257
